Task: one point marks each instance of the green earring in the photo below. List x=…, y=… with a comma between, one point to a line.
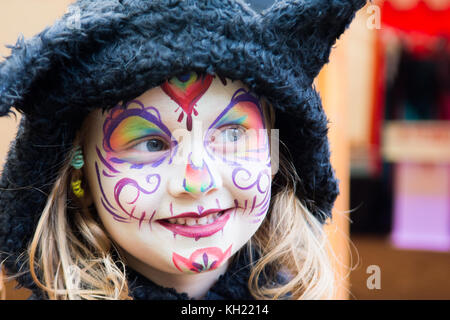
x=77, y=160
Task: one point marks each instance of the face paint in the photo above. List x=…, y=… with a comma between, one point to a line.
x=197, y=179
x=127, y=182
x=244, y=109
x=186, y=90
x=126, y=133
x=104, y=199
x=193, y=216
x=256, y=207
x=201, y=260
x=243, y=113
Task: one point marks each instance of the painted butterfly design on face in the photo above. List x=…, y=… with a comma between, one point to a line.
x=186, y=90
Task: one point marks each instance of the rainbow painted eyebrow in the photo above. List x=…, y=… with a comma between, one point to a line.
x=244, y=109
x=123, y=126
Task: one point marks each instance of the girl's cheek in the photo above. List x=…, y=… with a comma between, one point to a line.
x=249, y=179
x=251, y=186
x=128, y=195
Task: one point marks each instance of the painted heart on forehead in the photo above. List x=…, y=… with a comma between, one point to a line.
x=186, y=90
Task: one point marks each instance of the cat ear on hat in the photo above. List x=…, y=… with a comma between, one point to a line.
x=309, y=28
x=33, y=59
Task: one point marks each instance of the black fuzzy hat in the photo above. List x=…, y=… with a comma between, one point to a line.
x=104, y=52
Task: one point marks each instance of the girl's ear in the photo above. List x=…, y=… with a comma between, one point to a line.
x=308, y=29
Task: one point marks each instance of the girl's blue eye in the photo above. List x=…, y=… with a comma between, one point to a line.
x=151, y=145
x=154, y=145
x=233, y=134
x=227, y=135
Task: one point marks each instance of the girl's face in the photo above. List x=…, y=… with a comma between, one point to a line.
x=181, y=176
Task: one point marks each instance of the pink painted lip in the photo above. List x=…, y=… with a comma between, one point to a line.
x=200, y=231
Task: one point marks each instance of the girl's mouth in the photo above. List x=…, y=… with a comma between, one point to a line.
x=197, y=227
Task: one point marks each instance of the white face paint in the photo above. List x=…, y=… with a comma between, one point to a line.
x=181, y=176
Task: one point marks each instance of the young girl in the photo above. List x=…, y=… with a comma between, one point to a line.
x=146, y=164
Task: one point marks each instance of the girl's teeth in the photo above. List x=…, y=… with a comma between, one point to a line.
x=203, y=221
x=195, y=221
x=190, y=222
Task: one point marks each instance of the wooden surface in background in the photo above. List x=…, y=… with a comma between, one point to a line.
x=8, y=290
x=405, y=274
x=333, y=93
x=343, y=87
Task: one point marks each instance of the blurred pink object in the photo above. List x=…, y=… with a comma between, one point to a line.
x=422, y=206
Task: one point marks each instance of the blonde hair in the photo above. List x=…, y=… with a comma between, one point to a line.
x=72, y=257
x=2, y=285
x=71, y=251
x=291, y=241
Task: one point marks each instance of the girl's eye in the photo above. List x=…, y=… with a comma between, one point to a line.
x=233, y=134
x=151, y=145
x=229, y=135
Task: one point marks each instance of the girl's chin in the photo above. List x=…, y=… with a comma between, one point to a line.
x=201, y=260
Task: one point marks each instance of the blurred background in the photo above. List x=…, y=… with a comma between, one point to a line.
x=386, y=92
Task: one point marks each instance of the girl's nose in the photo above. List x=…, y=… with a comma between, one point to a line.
x=197, y=179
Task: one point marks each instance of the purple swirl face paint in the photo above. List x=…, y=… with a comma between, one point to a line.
x=125, y=127
x=194, y=214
